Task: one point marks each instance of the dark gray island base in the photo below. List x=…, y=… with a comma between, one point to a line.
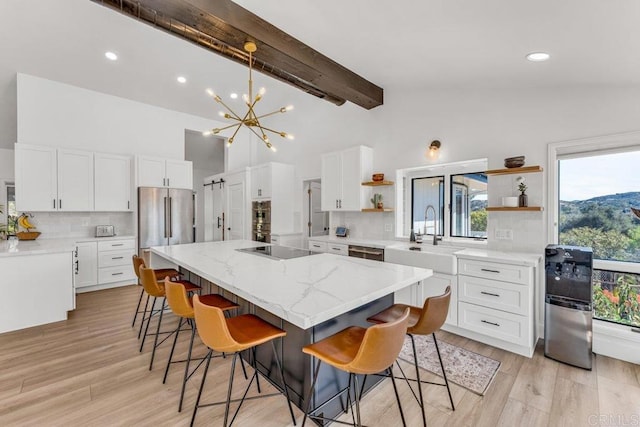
x=298, y=366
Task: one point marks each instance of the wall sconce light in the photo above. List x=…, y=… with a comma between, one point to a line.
x=434, y=149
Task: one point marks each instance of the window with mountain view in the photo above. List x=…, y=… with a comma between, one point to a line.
x=598, y=197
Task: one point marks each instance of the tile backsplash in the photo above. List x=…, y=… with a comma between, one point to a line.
x=55, y=225
x=364, y=224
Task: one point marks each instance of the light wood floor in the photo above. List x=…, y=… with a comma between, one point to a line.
x=87, y=372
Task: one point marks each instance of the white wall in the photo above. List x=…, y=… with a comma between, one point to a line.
x=7, y=168
x=61, y=115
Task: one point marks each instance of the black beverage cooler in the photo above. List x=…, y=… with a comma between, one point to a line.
x=568, y=310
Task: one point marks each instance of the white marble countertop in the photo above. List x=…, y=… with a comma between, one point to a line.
x=48, y=246
x=305, y=291
x=514, y=258
x=372, y=243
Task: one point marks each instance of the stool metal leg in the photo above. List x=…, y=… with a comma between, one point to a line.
x=415, y=361
x=444, y=374
x=309, y=396
x=357, y=399
x=284, y=384
x=204, y=377
x=135, y=316
x=395, y=389
x=155, y=340
x=146, y=329
x=230, y=389
x=173, y=347
x=144, y=315
x=186, y=368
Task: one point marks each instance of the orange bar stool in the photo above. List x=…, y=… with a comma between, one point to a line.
x=234, y=335
x=181, y=305
x=357, y=350
x=156, y=290
x=422, y=321
x=160, y=275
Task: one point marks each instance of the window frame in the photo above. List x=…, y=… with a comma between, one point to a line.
x=451, y=201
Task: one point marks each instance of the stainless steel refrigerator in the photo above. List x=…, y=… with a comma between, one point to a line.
x=165, y=217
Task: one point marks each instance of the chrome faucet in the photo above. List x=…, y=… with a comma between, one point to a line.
x=436, y=239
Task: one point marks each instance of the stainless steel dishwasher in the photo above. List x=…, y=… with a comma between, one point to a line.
x=374, y=254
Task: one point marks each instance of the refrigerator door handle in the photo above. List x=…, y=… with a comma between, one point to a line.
x=170, y=217
x=166, y=218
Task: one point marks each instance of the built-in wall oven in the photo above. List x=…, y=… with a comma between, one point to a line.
x=261, y=222
x=375, y=254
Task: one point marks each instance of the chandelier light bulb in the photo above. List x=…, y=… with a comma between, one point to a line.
x=288, y=108
x=262, y=91
x=233, y=96
x=207, y=133
x=222, y=113
x=273, y=148
x=246, y=99
x=289, y=136
x=211, y=93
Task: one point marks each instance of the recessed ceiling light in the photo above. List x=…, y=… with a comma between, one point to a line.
x=182, y=79
x=538, y=56
x=234, y=95
x=111, y=56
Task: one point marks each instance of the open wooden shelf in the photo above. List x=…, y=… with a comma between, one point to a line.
x=508, y=208
x=526, y=169
x=377, y=183
x=377, y=210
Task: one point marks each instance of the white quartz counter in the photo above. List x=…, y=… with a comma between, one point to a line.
x=305, y=291
x=515, y=258
x=372, y=243
x=48, y=246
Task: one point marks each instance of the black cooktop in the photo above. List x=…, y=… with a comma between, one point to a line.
x=278, y=252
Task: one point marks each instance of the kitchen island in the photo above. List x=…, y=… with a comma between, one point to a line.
x=311, y=297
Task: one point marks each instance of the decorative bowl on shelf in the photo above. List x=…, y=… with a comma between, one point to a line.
x=514, y=162
x=27, y=235
x=510, y=202
x=377, y=177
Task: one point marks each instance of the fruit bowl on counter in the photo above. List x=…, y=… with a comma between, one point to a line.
x=27, y=235
x=23, y=221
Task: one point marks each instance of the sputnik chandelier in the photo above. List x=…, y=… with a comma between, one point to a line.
x=250, y=119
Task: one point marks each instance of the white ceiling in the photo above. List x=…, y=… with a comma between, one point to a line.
x=416, y=43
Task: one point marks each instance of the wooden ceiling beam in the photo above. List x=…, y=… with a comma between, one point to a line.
x=223, y=27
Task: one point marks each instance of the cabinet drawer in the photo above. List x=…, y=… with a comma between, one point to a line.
x=494, y=323
x=115, y=274
x=338, y=249
x=113, y=258
x=317, y=246
x=116, y=245
x=497, y=295
x=496, y=271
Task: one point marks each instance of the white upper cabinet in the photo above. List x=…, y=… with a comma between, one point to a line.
x=36, y=178
x=342, y=175
x=261, y=177
x=179, y=174
x=75, y=181
x=50, y=179
x=112, y=182
x=157, y=172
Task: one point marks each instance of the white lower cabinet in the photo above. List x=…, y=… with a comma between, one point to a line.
x=103, y=264
x=317, y=246
x=114, y=261
x=85, y=264
x=338, y=249
x=496, y=301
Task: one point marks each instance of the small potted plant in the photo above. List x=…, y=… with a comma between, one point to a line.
x=377, y=201
x=522, y=198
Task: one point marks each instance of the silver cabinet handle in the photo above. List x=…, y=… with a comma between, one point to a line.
x=54, y=203
x=166, y=218
x=316, y=246
x=489, y=271
x=170, y=217
x=490, y=323
x=337, y=249
x=117, y=244
x=489, y=293
x=117, y=274
x=360, y=251
x=336, y=203
x=168, y=182
x=117, y=257
x=59, y=203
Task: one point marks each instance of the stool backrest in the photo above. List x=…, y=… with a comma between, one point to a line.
x=212, y=327
x=177, y=298
x=149, y=282
x=380, y=346
x=137, y=262
x=434, y=314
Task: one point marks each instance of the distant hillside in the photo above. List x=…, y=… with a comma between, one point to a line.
x=619, y=202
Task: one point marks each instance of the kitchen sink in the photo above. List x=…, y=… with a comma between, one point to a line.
x=440, y=259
